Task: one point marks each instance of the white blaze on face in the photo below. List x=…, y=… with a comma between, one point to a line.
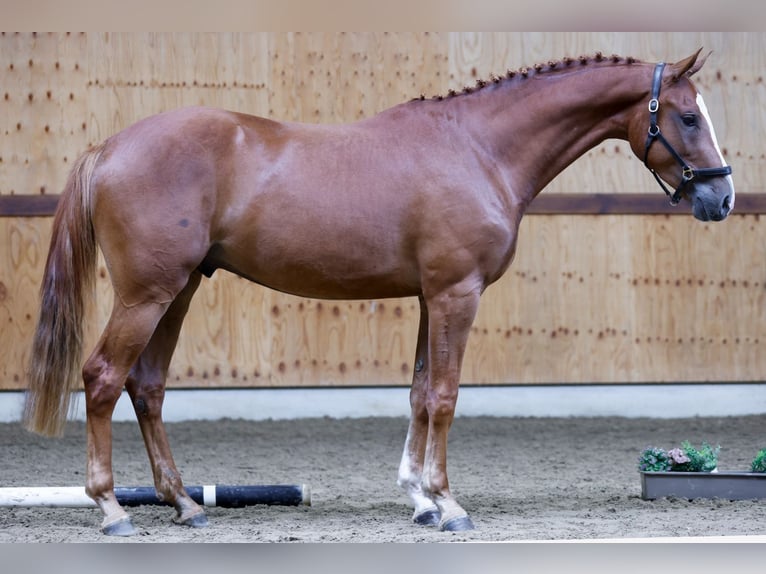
x=703, y=109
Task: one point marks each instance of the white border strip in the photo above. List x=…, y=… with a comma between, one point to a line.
x=656, y=401
x=739, y=539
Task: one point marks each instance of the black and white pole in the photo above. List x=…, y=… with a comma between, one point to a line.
x=226, y=496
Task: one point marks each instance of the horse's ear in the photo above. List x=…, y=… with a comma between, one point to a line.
x=689, y=66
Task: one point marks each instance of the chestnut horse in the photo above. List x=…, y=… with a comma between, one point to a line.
x=423, y=199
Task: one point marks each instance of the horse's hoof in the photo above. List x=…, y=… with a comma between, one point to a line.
x=198, y=520
x=428, y=518
x=459, y=524
x=123, y=527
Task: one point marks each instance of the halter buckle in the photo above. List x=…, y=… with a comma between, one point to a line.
x=687, y=173
x=654, y=105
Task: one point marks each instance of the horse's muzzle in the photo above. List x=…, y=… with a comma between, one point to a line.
x=709, y=205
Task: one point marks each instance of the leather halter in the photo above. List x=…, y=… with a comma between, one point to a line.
x=687, y=173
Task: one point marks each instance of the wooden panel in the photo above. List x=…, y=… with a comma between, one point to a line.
x=168, y=71
x=23, y=250
x=626, y=299
x=239, y=334
x=607, y=299
x=343, y=77
x=42, y=110
x=588, y=299
x=23, y=242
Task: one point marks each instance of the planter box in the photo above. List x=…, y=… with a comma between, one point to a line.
x=724, y=485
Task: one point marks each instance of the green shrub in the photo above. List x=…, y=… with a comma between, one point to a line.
x=703, y=460
x=759, y=462
x=653, y=459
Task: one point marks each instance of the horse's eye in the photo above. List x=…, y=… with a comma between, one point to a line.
x=689, y=120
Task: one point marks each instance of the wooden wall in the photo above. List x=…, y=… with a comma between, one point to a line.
x=590, y=298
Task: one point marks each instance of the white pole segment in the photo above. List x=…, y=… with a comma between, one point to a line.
x=53, y=496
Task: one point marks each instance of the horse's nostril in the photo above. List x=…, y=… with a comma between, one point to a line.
x=726, y=204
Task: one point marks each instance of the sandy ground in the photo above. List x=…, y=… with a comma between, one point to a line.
x=519, y=478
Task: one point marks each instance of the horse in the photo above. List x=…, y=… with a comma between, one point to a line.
x=422, y=200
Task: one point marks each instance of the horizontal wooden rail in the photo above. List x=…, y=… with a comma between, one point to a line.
x=629, y=204
x=28, y=205
x=544, y=204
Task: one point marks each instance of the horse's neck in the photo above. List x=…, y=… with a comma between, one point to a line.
x=540, y=125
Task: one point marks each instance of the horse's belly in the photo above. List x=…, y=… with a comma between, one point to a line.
x=321, y=263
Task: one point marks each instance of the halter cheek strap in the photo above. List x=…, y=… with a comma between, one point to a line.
x=687, y=172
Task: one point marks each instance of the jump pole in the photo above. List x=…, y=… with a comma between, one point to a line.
x=225, y=496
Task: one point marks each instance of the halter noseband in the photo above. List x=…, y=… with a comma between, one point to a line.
x=687, y=172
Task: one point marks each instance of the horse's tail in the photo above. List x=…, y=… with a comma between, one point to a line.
x=54, y=363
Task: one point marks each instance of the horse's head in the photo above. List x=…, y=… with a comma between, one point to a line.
x=681, y=146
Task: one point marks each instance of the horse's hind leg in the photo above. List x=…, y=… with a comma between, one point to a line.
x=126, y=334
x=411, y=466
x=146, y=387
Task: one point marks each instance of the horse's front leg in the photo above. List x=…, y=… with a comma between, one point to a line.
x=451, y=314
x=411, y=466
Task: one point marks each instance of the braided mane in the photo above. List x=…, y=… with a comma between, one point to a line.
x=524, y=73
